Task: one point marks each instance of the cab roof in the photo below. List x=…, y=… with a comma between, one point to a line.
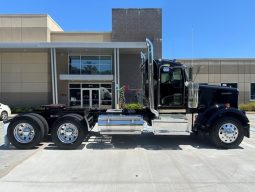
x=172, y=63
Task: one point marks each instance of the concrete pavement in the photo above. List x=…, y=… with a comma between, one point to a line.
x=11, y=157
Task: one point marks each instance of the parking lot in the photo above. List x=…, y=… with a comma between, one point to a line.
x=130, y=163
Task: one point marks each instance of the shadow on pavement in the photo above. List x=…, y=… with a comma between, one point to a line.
x=11, y=147
x=52, y=146
x=148, y=142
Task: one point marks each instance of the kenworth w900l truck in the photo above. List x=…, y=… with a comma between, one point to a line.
x=170, y=97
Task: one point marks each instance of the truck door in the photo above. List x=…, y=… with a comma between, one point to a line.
x=171, y=87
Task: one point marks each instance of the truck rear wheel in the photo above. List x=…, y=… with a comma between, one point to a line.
x=25, y=132
x=43, y=123
x=68, y=132
x=227, y=133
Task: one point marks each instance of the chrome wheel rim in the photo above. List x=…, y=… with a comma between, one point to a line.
x=67, y=133
x=228, y=133
x=24, y=133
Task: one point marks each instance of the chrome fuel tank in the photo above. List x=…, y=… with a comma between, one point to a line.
x=120, y=124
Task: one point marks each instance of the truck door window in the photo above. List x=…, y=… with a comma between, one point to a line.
x=171, y=87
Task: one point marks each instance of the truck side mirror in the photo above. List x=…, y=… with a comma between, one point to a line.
x=190, y=73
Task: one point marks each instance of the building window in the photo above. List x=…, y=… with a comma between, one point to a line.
x=90, y=64
x=231, y=85
x=105, y=65
x=253, y=91
x=74, y=65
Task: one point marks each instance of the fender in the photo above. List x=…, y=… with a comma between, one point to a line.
x=231, y=112
x=206, y=119
x=204, y=116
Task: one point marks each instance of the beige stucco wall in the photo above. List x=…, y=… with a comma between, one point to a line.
x=42, y=28
x=23, y=28
x=25, y=74
x=52, y=25
x=26, y=28
x=80, y=37
x=24, y=78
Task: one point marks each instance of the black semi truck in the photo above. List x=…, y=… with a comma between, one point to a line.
x=173, y=105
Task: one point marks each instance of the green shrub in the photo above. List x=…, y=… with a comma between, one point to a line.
x=248, y=107
x=133, y=106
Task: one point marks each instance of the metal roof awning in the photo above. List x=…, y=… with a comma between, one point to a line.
x=40, y=45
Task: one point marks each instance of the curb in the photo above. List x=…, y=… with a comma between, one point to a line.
x=250, y=112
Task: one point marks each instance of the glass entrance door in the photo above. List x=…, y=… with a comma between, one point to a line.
x=90, y=98
x=79, y=95
x=95, y=98
x=86, y=98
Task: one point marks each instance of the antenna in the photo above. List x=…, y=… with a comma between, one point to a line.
x=192, y=53
x=192, y=46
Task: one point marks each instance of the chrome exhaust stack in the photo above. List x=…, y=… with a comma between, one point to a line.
x=143, y=58
x=150, y=55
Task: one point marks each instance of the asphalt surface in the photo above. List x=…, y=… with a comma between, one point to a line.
x=130, y=163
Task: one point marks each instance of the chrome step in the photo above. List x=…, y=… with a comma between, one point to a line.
x=171, y=124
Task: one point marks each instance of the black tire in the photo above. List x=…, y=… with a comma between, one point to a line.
x=74, y=120
x=214, y=133
x=38, y=121
x=34, y=122
x=4, y=115
x=82, y=119
x=44, y=122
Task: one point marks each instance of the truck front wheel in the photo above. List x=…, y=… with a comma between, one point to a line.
x=68, y=132
x=227, y=133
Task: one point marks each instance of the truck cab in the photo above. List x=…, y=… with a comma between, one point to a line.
x=171, y=86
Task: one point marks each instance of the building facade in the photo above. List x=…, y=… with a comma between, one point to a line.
x=40, y=63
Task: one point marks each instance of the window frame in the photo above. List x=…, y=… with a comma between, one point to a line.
x=250, y=91
x=77, y=55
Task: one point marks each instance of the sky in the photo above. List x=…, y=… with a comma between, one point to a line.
x=191, y=28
